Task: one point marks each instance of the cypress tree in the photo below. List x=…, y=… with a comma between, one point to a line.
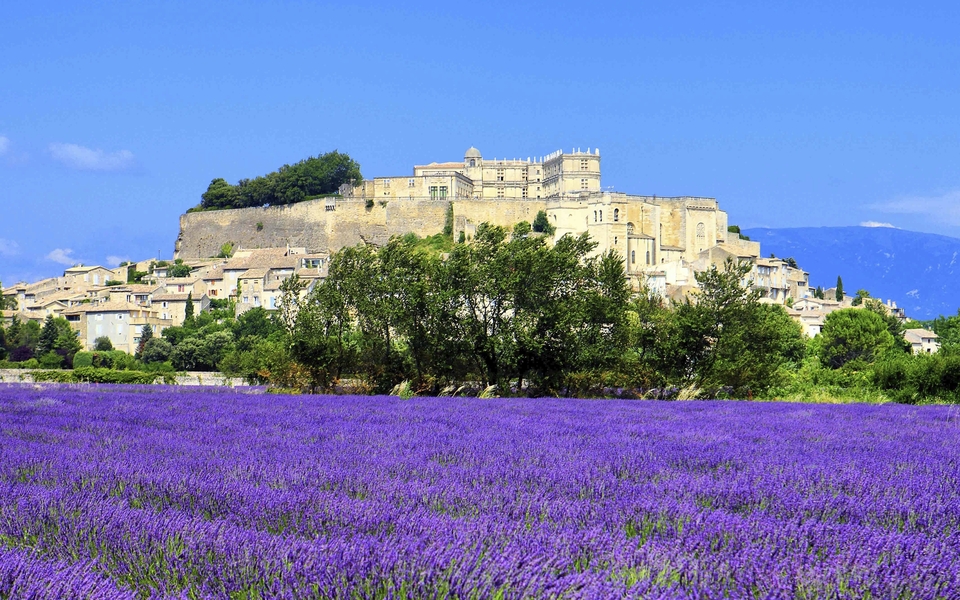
x=839, y=289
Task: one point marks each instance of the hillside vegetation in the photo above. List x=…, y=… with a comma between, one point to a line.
x=307, y=179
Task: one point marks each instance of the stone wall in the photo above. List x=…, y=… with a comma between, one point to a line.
x=311, y=225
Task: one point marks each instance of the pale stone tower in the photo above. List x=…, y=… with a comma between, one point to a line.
x=473, y=166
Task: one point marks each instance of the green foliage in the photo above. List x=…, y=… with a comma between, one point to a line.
x=541, y=224
x=135, y=276
x=226, y=250
x=448, y=221
x=109, y=359
x=859, y=297
x=178, y=269
x=818, y=293
x=188, y=309
x=923, y=377
x=146, y=334
x=839, y=293
x=314, y=176
x=736, y=229
x=112, y=283
x=156, y=350
x=853, y=334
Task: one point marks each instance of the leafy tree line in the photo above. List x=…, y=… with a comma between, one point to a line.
x=509, y=313
x=311, y=177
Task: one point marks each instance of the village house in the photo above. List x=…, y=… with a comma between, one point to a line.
x=922, y=341
x=120, y=322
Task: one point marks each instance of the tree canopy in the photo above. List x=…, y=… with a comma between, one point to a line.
x=311, y=177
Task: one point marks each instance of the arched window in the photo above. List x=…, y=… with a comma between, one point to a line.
x=615, y=240
x=601, y=216
x=473, y=162
x=594, y=216
x=701, y=236
x=629, y=228
x=616, y=214
x=633, y=257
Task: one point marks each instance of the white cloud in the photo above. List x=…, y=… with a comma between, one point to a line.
x=62, y=256
x=86, y=159
x=944, y=208
x=114, y=261
x=9, y=247
x=4, y=144
x=877, y=224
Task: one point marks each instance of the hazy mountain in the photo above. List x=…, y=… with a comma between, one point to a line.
x=920, y=271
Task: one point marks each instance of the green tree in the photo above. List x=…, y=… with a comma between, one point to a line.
x=48, y=336
x=317, y=328
x=541, y=224
x=102, y=344
x=894, y=326
x=839, y=294
x=179, y=269
x=156, y=350
x=146, y=334
x=859, y=297
x=746, y=342
x=818, y=293
x=853, y=334
x=310, y=177
x=188, y=310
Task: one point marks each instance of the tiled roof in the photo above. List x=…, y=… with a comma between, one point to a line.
x=171, y=298
x=256, y=273
x=106, y=307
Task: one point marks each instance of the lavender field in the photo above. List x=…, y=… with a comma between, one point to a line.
x=142, y=492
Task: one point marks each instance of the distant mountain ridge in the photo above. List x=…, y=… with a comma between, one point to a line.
x=920, y=271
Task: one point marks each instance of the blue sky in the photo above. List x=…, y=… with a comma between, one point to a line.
x=114, y=117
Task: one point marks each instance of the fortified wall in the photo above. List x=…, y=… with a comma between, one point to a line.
x=324, y=225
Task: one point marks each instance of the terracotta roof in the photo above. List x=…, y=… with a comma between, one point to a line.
x=262, y=258
x=919, y=334
x=257, y=273
x=138, y=288
x=107, y=307
x=172, y=297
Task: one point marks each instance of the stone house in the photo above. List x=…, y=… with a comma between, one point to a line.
x=922, y=340
x=121, y=322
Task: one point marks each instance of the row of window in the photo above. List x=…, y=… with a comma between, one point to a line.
x=616, y=216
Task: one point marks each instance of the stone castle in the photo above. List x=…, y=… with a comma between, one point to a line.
x=663, y=241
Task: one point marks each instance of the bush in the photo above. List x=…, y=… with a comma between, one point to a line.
x=113, y=359
x=102, y=344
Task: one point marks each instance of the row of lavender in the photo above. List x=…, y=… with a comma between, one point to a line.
x=115, y=492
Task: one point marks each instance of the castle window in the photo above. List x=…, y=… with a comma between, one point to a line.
x=434, y=190
x=473, y=162
x=500, y=174
x=615, y=240
x=633, y=257
x=616, y=215
x=601, y=216
x=648, y=257
x=443, y=192
x=701, y=235
x=594, y=216
x=411, y=182
x=500, y=192
x=584, y=165
x=386, y=183
x=583, y=184
x=524, y=193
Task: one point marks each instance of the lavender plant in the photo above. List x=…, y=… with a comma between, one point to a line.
x=143, y=492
